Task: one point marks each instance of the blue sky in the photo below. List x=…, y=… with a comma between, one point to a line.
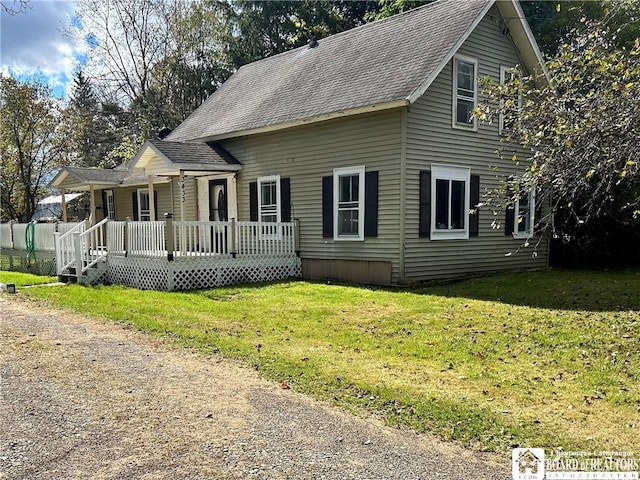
x=31, y=43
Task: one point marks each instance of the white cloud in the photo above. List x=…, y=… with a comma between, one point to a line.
x=32, y=42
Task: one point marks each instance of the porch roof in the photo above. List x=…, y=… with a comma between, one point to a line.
x=82, y=179
x=171, y=158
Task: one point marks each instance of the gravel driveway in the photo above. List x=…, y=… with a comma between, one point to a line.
x=82, y=398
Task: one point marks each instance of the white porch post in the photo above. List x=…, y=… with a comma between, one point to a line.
x=64, y=206
x=152, y=201
x=92, y=205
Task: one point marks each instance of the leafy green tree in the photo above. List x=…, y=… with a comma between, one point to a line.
x=582, y=129
x=388, y=8
x=32, y=144
x=267, y=28
x=82, y=118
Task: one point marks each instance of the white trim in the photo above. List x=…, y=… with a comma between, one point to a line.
x=138, y=192
x=504, y=71
x=454, y=108
x=110, y=207
x=532, y=59
x=526, y=234
x=417, y=93
x=269, y=179
x=304, y=121
x=342, y=172
x=450, y=172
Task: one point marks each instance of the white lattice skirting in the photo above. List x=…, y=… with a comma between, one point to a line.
x=198, y=272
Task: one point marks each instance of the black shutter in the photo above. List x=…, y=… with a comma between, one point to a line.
x=155, y=205
x=285, y=199
x=371, y=204
x=105, y=210
x=253, y=201
x=424, y=228
x=327, y=207
x=134, y=195
x=510, y=212
x=475, y=200
x=509, y=221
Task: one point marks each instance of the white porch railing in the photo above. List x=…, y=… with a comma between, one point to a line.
x=90, y=246
x=202, y=239
x=145, y=238
x=81, y=248
x=65, y=248
x=273, y=239
x=115, y=238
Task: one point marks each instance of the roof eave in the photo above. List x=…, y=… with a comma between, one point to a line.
x=84, y=184
x=305, y=121
x=422, y=88
x=524, y=39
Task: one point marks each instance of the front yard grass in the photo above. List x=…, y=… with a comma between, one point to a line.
x=548, y=359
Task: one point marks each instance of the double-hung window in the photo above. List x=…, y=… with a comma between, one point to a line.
x=144, y=212
x=524, y=211
x=348, y=192
x=510, y=105
x=465, y=91
x=450, y=188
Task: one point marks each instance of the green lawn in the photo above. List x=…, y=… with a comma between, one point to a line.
x=549, y=359
x=24, y=279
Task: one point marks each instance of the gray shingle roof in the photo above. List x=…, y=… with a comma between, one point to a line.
x=194, y=153
x=373, y=64
x=98, y=175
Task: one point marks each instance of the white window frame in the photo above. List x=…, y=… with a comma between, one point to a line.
x=140, y=192
x=343, y=172
x=473, y=126
x=261, y=207
x=450, y=173
x=504, y=73
x=530, y=217
x=110, y=206
x=267, y=229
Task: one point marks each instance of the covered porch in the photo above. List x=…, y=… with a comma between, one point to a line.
x=174, y=255
x=170, y=222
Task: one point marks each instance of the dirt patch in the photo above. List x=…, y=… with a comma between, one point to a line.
x=82, y=398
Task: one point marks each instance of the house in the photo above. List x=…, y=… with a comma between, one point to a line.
x=49, y=209
x=364, y=138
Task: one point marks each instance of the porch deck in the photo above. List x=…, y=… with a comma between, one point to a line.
x=165, y=255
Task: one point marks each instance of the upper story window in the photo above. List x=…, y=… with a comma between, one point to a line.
x=465, y=91
x=510, y=104
x=269, y=199
x=348, y=188
x=450, y=188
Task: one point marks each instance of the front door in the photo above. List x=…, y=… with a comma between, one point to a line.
x=218, y=210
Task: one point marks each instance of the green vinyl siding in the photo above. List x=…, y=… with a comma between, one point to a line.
x=432, y=140
x=306, y=154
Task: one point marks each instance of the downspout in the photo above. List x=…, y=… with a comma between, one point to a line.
x=403, y=196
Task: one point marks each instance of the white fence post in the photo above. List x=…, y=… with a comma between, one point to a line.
x=79, y=254
x=58, y=249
